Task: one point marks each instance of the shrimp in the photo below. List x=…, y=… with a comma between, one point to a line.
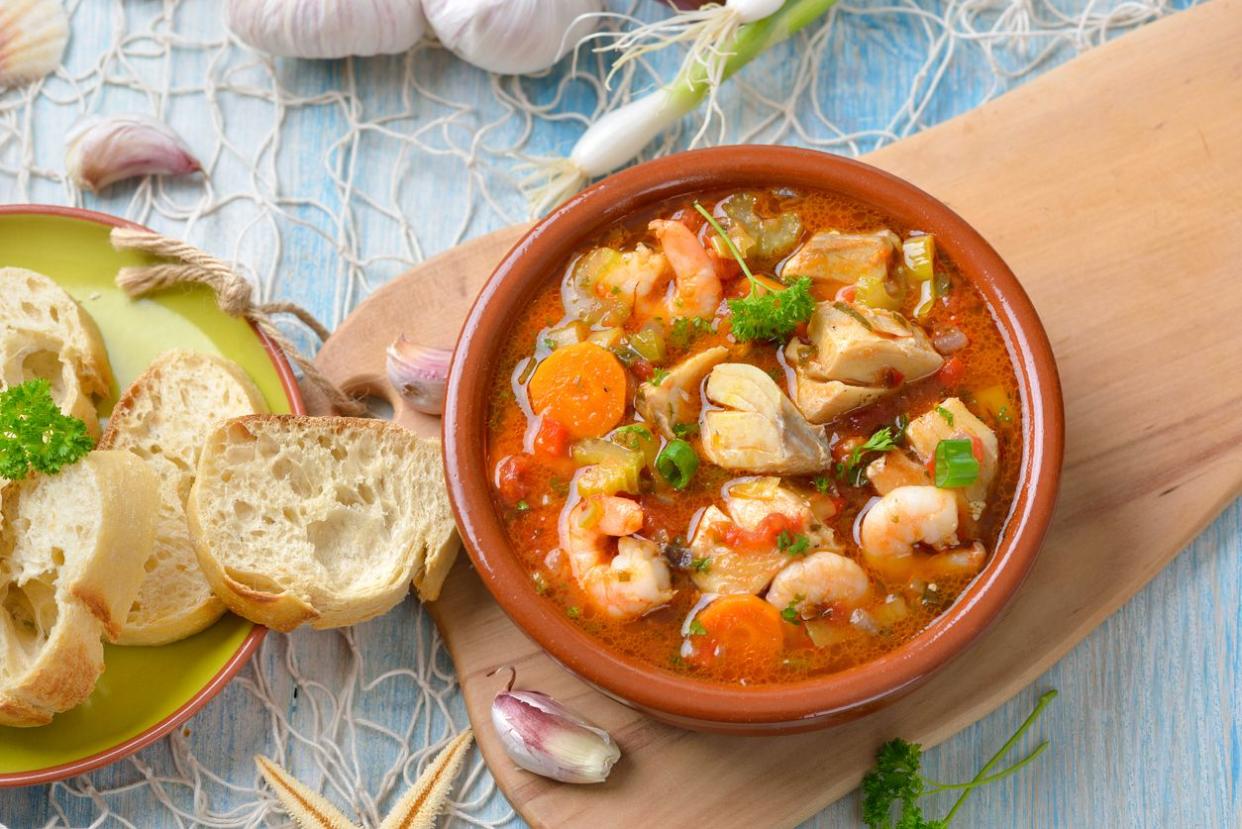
x=911, y=515
x=630, y=583
x=698, y=285
x=820, y=579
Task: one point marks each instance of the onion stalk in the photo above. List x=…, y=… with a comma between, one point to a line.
x=705, y=29
x=620, y=135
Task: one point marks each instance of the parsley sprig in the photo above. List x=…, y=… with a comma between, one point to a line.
x=851, y=469
x=896, y=779
x=34, y=435
x=766, y=314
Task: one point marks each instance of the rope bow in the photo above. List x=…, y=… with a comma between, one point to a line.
x=234, y=296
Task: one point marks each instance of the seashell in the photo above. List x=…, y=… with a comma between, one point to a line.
x=33, y=34
x=328, y=28
x=102, y=150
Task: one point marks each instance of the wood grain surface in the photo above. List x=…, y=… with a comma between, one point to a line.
x=1110, y=186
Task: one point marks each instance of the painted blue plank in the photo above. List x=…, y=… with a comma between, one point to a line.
x=1148, y=728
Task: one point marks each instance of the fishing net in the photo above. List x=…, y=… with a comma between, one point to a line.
x=325, y=179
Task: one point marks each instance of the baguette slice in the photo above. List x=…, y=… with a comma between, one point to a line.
x=30, y=355
x=163, y=418
x=33, y=302
x=323, y=521
x=72, y=546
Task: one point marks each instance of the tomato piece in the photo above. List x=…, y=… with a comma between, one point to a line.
x=976, y=448
x=952, y=372
x=642, y=369
x=763, y=536
x=513, y=478
x=552, y=439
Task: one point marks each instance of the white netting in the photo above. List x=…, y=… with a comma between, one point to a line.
x=324, y=180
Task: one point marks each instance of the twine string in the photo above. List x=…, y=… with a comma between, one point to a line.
x=234, y=296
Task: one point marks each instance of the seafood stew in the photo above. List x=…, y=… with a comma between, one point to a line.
x=755, y=436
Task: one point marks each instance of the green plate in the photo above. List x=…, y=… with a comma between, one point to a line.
x=144, y=692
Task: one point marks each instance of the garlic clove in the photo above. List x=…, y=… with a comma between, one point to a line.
x=328, y=28
x=419, y=374
x=513, y=37
x=544, y=737
x=33, y=34
x=100, y=151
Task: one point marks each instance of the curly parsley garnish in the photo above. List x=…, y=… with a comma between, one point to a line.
x=896, y=779
x=34, y=435
x=770, y=315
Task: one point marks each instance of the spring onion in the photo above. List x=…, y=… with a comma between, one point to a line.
x=620, y=135
x=956, y=464
x=677, y=463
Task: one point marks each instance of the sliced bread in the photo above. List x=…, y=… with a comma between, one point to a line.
x=72, y=547
x=30, y=355
x=323, y=521
x=164, y=417
x=33, y=302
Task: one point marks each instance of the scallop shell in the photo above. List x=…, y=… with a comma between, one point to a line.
x=33, y=34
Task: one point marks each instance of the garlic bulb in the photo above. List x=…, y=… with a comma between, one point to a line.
x=103, y=150
x=328, y=28
x=419, y=374
x=33, y=34
x=544, y=737
x=512, y=37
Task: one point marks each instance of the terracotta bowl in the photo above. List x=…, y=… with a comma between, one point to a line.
x=811, y=703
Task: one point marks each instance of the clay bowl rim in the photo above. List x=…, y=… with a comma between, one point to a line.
x=540, y=255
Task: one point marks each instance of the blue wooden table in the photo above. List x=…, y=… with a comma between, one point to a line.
x=366, y=166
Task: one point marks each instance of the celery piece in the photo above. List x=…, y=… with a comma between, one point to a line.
x=919, y=256
x=648, y=343
x=878, y=293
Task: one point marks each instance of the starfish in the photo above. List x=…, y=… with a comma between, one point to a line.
x=417, y=808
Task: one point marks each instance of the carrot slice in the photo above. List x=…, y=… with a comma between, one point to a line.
x=582, y=387
x=743, y=631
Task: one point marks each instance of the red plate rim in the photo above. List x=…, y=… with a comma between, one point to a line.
x=249, y=645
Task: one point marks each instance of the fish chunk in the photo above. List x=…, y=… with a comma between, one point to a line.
x=844, y=257
x=857, y=344
x=760, y=429
x=928, y=429
x=676, y=399
x=750, y=501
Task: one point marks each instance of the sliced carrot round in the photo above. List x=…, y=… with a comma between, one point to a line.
x=743, y=631
x=582, y=387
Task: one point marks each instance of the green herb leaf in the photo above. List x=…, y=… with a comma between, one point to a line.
x=792, y=545
x=677, y=463
x=956, y=464
x=686, y=330
x=658, y=376
x=35, y=435
x=852, y=469
x=522, y=506
x=946, y=414
x=790, y=614
x=772, y=315
x=697, y=628
x=701, y=564
x=685, y=430
x=822, y=484
x=573, y=612
x=896, y=778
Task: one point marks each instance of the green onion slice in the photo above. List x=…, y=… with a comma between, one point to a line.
x=956, y=464
x=677, y=463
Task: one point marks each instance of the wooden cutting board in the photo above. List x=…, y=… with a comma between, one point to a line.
x=1113, y=187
